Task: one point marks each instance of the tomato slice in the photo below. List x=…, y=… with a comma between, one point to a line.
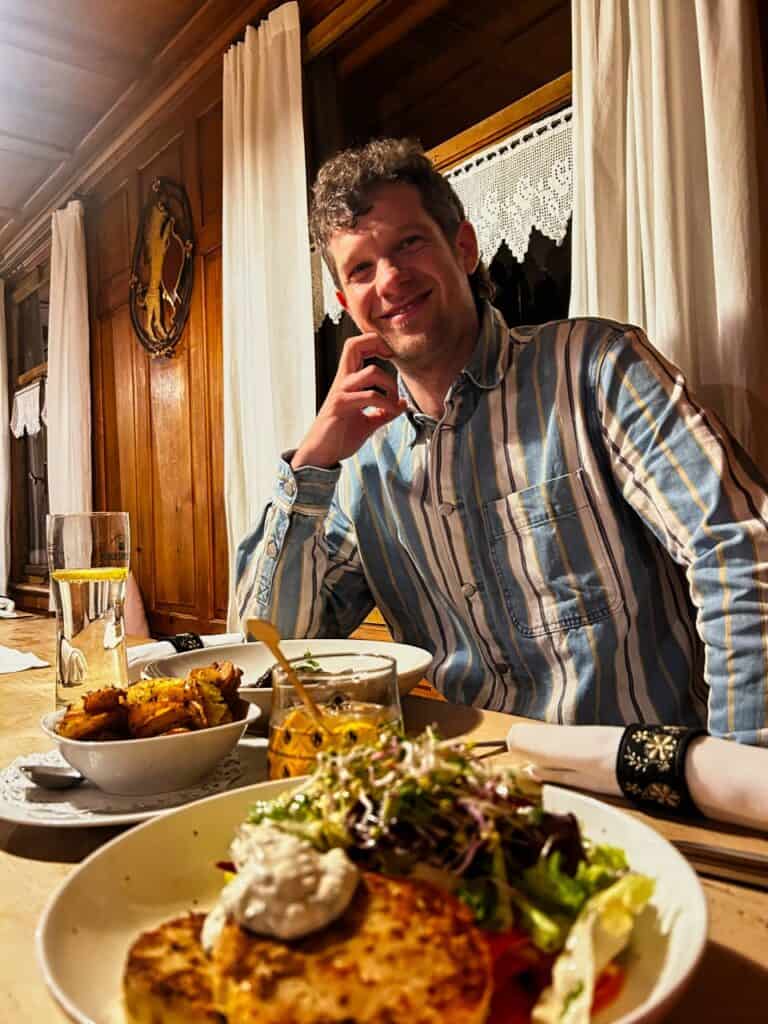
x=514, y=997
x=608, y=986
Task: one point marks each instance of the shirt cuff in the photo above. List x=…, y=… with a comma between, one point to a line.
x=309, y=489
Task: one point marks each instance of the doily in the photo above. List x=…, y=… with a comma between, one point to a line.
x=22, y=801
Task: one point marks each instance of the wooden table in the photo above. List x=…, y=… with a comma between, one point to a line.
x=731, y=985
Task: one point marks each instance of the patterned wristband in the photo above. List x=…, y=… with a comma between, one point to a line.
x=186, y=642
x=650, y=768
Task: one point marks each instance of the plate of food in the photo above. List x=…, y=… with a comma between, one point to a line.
x=256, y=662
x=406, y=881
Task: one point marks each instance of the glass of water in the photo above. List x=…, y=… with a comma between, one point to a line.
x=88, y=561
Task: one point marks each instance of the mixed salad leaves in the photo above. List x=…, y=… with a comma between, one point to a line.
x=425, y=807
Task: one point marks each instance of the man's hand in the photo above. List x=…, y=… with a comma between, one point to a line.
x=362, y=399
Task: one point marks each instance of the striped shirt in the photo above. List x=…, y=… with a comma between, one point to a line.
x=574, y=540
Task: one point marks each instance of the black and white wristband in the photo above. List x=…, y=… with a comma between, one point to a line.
x=185, y=642
x=650, y=768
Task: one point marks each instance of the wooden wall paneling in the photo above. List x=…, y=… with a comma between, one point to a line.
x=126, y=480
x=171, y=522
x=211, y=265
x=207, y=160
x=209, y=130
x=200, y=161
x=98, y=439
x=175, y=427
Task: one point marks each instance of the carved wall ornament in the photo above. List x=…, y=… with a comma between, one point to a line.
x=162, y=269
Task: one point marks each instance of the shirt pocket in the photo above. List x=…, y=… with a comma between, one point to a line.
x=550, y=557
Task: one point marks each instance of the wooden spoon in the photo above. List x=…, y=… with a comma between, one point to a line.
x=261, y=629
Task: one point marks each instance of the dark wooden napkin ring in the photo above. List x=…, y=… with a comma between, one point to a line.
x=650, y=768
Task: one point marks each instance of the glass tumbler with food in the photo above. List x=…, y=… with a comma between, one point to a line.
x=88, y=561
x=355, y=698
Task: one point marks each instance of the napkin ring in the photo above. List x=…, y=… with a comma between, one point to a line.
x=650, y=767
x=186, y=642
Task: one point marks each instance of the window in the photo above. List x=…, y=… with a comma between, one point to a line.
x=27, y=312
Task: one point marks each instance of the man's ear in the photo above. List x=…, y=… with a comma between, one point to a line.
x=467, y=247
x=342, y=300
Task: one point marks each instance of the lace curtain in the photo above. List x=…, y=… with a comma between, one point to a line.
x=514, y=186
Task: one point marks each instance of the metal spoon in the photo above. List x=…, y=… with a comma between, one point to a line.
x=52, y=776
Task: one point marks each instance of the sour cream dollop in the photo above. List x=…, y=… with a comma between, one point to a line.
x=283, y=887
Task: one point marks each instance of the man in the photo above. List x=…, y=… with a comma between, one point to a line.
x=546, y=509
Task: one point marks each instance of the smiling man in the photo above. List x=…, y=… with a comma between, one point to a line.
x=546, y=509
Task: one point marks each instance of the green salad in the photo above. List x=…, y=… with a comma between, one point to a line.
x=426, y=807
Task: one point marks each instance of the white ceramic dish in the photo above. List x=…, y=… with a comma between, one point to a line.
x=85, y=806
x=125, y=887
x=157, y=764
x=255, y=659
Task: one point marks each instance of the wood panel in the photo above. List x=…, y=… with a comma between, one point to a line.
x=159, y=435
x=453, y=69
x=212, y=290
x=209, y=135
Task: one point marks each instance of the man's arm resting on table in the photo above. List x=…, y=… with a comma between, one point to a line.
x=697, y=491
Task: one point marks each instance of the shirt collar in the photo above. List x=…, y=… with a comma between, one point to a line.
x=485, y=368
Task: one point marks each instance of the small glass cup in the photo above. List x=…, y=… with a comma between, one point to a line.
x=356, y=694
x=88, y=561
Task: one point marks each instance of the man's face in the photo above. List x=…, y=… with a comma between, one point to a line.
x=402, y=279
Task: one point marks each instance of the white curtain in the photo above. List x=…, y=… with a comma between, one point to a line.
x=68, y=394
x=668, y=117
x=268, y=339
x=5, y=455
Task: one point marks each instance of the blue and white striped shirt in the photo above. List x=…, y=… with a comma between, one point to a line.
x=575, y=539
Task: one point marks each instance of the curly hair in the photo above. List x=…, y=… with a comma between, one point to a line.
x=343, y=190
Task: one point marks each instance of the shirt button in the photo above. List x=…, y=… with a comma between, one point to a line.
x=445, y=508
x=271, y=549
x=290, y=488
x=468, y=590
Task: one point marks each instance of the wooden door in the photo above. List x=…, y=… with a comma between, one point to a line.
x=158, y=444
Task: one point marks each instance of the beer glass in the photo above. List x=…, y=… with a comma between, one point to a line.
x=88, y=561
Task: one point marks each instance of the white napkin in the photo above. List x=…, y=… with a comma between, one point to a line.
x=12, y=660
x=8, y=609
x=163, y=648
x=727, y=781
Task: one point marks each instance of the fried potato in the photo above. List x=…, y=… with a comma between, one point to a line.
x=155, y=689
x=80, y=725
x=156, y=707
x=108, y=698
x=225, y=676
x=156, y=717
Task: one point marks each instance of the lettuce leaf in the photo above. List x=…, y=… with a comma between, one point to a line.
x=599, y=934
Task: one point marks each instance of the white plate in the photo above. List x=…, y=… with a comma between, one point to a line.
x=255, y=659
x=85, y=806
x=125, y=887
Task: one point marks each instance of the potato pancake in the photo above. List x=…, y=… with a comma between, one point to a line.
x=168, y=976
x=403, y=951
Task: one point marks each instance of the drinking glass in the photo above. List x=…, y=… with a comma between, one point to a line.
x=88, y=562
x=356, y=694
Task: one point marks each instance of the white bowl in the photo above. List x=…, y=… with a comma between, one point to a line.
x=126, y=887
x=157, y=764
x=255, y=659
